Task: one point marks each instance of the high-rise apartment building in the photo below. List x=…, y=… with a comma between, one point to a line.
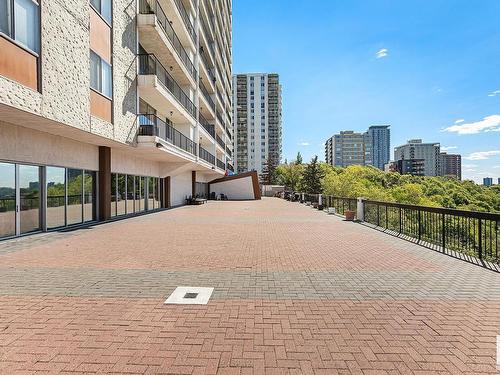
x=349, y=148
x=380, y=136
x=451, y=165
x=488, y=181
x=110, y=108
x=256, y=121
x=416, y=149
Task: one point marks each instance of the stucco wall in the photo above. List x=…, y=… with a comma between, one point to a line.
x=181, y=186
x=126, y=162
x=237, y=189
x=27, y=145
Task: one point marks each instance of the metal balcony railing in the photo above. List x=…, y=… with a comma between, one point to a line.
x=220, y=118
x=210, y=69
x=207, y=156
x=220, y=141
x=206, y=125
x=152, y=125
x=153, y=7
x=149, y=64
x=228, y=151
x=207, y=95
x=220, y=164
x=186, y=19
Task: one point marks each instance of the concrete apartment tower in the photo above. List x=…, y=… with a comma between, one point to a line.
x=451, y=165
x=380, y=137
x=110, y=108
x=256, y=120
x=415, y=149
x=349, y=148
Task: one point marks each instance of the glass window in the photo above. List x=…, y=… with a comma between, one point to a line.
x=26, y=24
x=74, y=211
x=5, y=17
x=151, y=193
x=139, y=193
x=29, y=189
x=101, y=78
x=130, y=194
x=89, y=206
x=7, y=199
x=103, y=7
x=56, y=197
x=113, y=194
x=121, y=196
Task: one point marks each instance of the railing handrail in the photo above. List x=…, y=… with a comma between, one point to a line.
x=208, y=127
x=207, y=95
x=187, y=21
x=220, y=141
x=172, y=135
x=221, y=164
x=206, y=155
x=166, y=79
x=146, y=8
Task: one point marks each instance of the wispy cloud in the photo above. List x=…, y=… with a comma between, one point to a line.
x=383, y=52
x=448, y=148
x=459, y=121
x=487, y=124
x=496, y=167
x=494, y=93
x=304, y=143
x=470, y=165
x=482, y=155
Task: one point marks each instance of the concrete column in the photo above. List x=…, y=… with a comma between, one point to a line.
x=193, y=183
x=360, y=209
x=320, y=201
x=104, y=190
x=303, y=198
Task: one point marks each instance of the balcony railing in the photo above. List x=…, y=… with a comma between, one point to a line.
x=219, y=95
x=186, y=19
x=228, y=151
x=208, y=127
x=152, y=125
x=207, y=95
x=149, y=64
x=229, y=133
x=220, y=118
x=207, y=156
x=209, y=69
x=230, y=167
x=220, y=141
x=145, y=7
x=220, y=164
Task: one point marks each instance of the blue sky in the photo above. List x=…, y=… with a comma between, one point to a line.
x=430, y=69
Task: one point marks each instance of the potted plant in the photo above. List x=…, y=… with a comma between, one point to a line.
x=350, y=215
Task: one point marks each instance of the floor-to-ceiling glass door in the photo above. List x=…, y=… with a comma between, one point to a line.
x=7, y=200
x=29, y=198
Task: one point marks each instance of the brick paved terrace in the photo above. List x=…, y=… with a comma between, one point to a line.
x=296, y=292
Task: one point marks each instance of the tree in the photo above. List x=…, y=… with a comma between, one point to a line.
x=312, y=176
x=298, y=160
x=268, y=175
x=289, y=175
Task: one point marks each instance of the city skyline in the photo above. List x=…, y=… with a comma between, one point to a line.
x=384, y=63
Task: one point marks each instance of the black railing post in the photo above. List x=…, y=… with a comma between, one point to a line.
x=443, y=232
x=400, y=220
x=419, y=214
x=480, y=239
x=378, y=215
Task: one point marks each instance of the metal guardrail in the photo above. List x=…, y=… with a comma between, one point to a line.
x=220, y=141
x=206, y=125
x=207, y=156
x=207, y=95
x=185, y=18
x=220, y=164
x=154, y=7
x=468, y=232
x=150, y=65
x=152, y=125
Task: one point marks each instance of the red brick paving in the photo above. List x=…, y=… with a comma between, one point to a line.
x=62, y=334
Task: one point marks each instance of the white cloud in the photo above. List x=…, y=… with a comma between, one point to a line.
x=496, y=167
x=487, y=124
x=482, y=155
x=494, y=93
x=448, y=148
x=470, y=165
x=383, y=52
x=459, y=121
x=303, y=143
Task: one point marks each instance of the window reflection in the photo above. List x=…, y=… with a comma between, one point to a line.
x=56, y=197
x=29, y=192
x=121, y=198
x=7, y=199
x=75, y=191
x=89, y=209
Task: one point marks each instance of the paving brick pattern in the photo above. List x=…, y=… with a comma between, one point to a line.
x=296, y=292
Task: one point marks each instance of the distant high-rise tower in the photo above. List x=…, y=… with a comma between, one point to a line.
x=380, y=136
x=257, y=121
x=416, y=149
x=349, y=148
x=451, y=165
x=487, y=181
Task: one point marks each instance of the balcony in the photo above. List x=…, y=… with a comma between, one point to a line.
x=152, y=125
x=162, y=39
x=229, y=152
x=206, y=125
x=220, y=164
x=160, y=89
x=220, y=142
x=207, y=96
x=187, y=21
x=207, y=156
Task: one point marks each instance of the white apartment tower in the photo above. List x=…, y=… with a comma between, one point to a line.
x=256, y=121
x=110, y=108
x=415, y=149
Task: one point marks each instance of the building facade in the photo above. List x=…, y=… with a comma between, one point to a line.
x=416, y=149
x=349, y=148
x=451, y=165
x=256, y=121
x=488, y=181
x=380, y=137
x=110, y=108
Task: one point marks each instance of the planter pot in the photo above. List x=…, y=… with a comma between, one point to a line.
x=350, y=215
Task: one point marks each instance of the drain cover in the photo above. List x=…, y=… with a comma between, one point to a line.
x=186, y=295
